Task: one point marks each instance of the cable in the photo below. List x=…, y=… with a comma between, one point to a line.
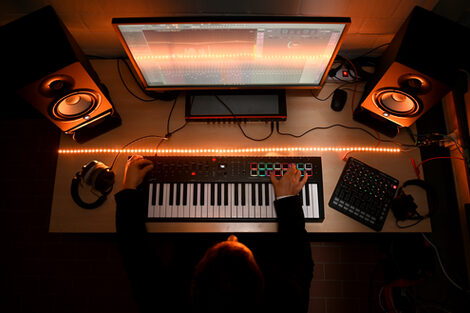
x=442, y=266
x=133, y=141
x=168, y=132
x=125, y=85
x=239, y=125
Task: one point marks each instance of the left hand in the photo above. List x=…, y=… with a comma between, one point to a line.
x=136, y=169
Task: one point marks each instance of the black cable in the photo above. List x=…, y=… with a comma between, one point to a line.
x=131, y=142
x=125, y=85
x=239, y=125
x=168, y=132
x=329, y=96
x=372, y=50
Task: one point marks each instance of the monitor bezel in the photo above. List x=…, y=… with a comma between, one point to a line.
x=229, y=19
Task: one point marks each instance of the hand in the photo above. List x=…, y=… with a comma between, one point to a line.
x=290, y=184
x=136, y=169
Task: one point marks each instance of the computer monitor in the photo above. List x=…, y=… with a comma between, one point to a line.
x=229, y=52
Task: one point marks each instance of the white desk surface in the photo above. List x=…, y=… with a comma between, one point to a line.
x=145, y=118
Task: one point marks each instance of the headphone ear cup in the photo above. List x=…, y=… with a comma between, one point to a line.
x=99, y=177
x=404, y=207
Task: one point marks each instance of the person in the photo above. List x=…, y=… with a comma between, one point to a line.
x=230, y=277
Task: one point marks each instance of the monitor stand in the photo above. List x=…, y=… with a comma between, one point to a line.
x=236, y=105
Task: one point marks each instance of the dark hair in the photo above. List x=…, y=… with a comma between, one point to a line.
x=227, y=279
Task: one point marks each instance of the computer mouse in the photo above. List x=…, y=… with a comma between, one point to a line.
x=339, y=100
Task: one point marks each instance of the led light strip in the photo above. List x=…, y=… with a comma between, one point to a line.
x=225, y=151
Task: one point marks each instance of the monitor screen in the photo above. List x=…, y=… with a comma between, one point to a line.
x=253, y=53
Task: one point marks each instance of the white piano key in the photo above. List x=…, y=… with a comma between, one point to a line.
x=239, y=207
x=187, y=199
x=221, y=207
x=246, y=207
x=271, y=212
x=263, y=207
x=199, y=207
x=205, y=206
x=230, y=211
x=151, y=208
x=166, y=195
x=192, y=207
x=180, y=207
x=304, y=206
x=309, y=207
x=314, y=198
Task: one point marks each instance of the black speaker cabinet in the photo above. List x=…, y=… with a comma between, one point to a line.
x=47, y=68
x=414, y=73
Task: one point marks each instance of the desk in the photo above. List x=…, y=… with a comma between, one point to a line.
x=145, y=118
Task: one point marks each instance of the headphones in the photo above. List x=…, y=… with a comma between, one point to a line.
x=404, y=207
x=97, y=175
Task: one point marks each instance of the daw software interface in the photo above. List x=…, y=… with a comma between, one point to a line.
x=232, y=54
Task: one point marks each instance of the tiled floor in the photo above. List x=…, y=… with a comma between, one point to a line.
x=43, y=272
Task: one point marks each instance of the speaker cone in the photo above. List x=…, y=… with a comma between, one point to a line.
x=76, y=104
x=396, y=102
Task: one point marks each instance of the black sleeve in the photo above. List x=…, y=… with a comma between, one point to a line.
x=289, y=287
x=145, y=271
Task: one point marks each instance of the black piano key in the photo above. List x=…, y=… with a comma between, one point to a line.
x=266, y=194
x=219, y=194
x=194, y=194
x=154, y=193
x=185, y=194
x=301, y=196
x=260, y=194
x=202, y=200
x=178, y=194
x=243, y=195
x=235, y=200
x=170, y=201
x=160, y=196
x=307, y=194
x=212, y=194
x=225, y=194
x=253, y=194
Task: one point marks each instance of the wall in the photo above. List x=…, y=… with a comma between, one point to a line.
x=373, y=22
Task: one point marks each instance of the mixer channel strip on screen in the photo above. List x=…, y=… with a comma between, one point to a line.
x=227, y=189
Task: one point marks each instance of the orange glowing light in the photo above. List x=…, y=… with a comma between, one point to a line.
x=228, y=151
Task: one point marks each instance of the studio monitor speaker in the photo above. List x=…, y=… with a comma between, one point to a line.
x=46, y=67
x=414, y=73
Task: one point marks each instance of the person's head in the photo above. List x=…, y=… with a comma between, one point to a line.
x=227, y=279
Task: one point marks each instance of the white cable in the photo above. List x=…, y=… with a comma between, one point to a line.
x=442, y=266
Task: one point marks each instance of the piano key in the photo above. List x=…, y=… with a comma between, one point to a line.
x=151, y=204
x=154, y=193
x=263, y=207
x=171, y=195
x=266, y=194
x=226, y=202
x=316, y=210
x=271, y=211
x=192, y=203
x=252, y=194
x=205, y=205
x=302, y=198
x=246, y=204
x=161, y=193
x=198, y=206
x=164, y=208
x=185, y=194
x=212, y=194
x=180, y=205
x=243, y=195
x=235, y=196
x=221, y=200
x=260, y=194
x=195, y=194
x=240, y=206
x=307, y=195
x=219, y=194
x=178, y=195
x=254, y=209
x=232, y=212
x=203, y=197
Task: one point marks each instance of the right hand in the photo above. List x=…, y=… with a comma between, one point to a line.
x=136, y=169
x=289, y=184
